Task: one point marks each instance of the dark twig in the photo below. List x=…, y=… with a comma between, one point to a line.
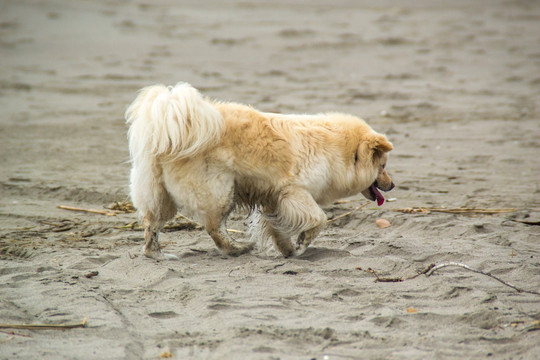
x=348, y=213
x=13, y=334
x=397, y=279
x=478, y=271
x=382, y=279
x=429, y=270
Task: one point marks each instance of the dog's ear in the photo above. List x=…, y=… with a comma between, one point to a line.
x=379, y=144
x=373, y=147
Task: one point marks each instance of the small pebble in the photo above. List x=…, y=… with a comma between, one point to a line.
x=382, y=223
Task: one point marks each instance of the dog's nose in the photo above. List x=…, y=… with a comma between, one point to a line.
x=392, y=185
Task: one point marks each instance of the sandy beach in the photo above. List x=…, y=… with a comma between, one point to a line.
x=454, y=85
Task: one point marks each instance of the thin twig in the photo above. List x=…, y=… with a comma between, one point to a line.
x=396, y=279
x=44, y=326
x=274, y=267
x=383, y=279
x=462, y=211
x=92, y=211
x=14, y=333
x=534, y=327
x=425, y=271
x=348, y=213
x=430, y=269
x=134, y=225
x=198, y=226
x=527, y=222
x=236, y=231
x=338, y=202
x=478, y=271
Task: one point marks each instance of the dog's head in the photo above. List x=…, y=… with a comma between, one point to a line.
x=375, y=150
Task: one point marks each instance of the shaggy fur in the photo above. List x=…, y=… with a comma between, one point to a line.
x=211, y=156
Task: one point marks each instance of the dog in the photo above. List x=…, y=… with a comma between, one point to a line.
x=211, y=157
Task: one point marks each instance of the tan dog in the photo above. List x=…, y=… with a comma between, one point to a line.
x=211, y=157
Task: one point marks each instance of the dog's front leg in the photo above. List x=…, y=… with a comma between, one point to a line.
x=306, y=237
x=296, y=213
x=283, y=243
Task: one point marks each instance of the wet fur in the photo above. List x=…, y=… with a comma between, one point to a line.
x=209, y=157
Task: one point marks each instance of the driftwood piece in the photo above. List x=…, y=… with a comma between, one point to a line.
x=92, y=211
x=44, y=326
x=460, y=211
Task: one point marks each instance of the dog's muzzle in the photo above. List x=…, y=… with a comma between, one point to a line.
x=375, y=194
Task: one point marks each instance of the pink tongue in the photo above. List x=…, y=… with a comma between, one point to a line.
x=378, y=195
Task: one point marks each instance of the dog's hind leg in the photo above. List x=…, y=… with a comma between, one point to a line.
x=151, y=234
x=215, y=225
x=215, y=204
x=154, y=205
x=297, y=213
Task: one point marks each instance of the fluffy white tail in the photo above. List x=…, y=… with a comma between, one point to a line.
x=172, y=121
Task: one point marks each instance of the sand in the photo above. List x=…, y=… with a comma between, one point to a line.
x=454, y=84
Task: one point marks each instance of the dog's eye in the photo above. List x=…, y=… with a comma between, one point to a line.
x=383, y=166
x=355, y=157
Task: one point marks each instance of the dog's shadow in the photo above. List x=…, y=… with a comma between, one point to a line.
x=311, y=254
x=321, y=253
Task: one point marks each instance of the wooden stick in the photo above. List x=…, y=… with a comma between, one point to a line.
x=348, y=213
x=526, y=222
x=236, y=231
x=44, y=326
x=338, y=202
x=134, y=225
x=427, y=210
x=93, y=211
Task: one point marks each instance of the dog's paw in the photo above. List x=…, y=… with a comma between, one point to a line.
x=300, y=249
x=159, y=256
x=169, y=256
x=237, y=248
